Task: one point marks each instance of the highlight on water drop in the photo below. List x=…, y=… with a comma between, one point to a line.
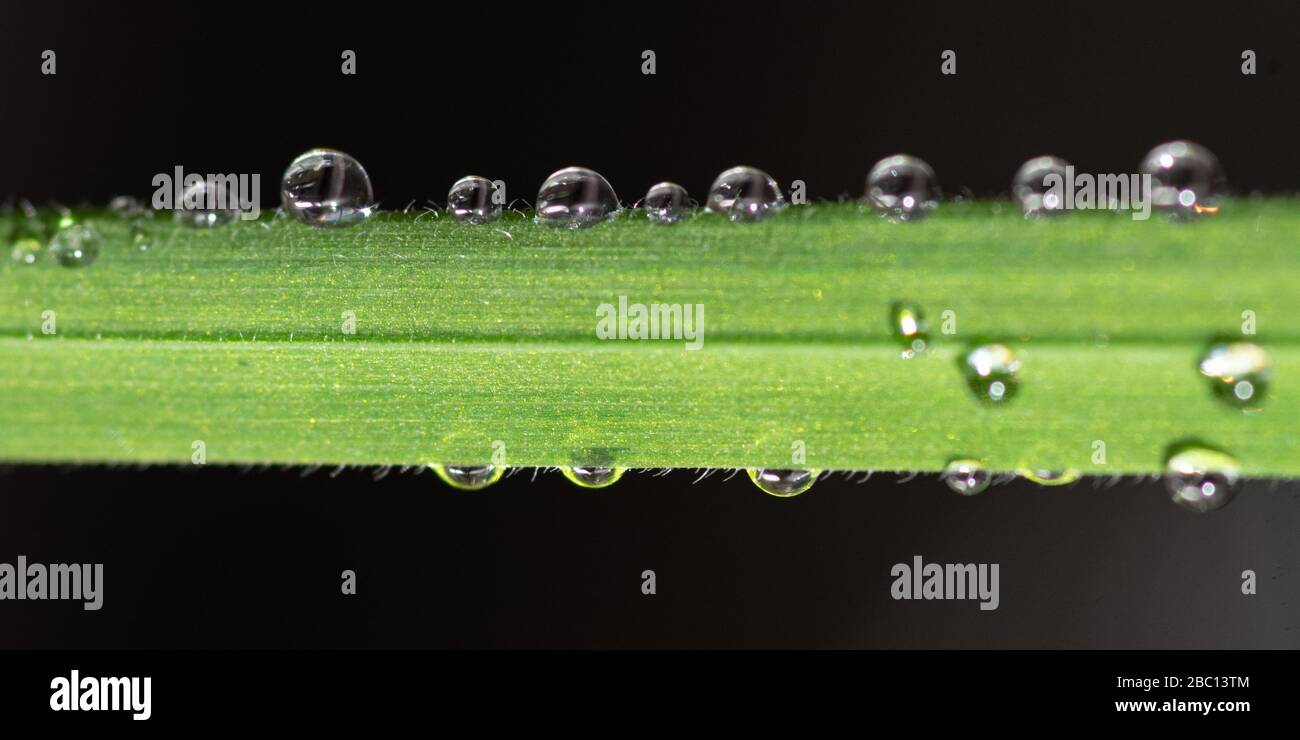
x=471, y=201
x=909, y=327
x=575, y=198
x=783, y=483
x=469, y=477
x=992, y=370
x=1201, y=478
x=966, y=476
x=745, y=194
x=592, y=476
x=327, y=188
x=902, y=188
x=1239, y=373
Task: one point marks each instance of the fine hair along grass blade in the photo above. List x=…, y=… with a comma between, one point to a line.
x=413, y=339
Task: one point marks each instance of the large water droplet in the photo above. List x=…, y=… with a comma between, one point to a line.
x=745, y=194
x=1239, y=373
x=966, y=476
x=325, y=187
x=205, y=206
x=1202, y=478
x=592, y=476
x=469, y=477
x=909, y=327
x=1035, y=197
x=1185, y=178
x=75, y=245
x=902, y=188
x=784, y=483
x=1051, y=477
x=991, y=370
x=575, y=197
x=470, y=201
x=666, y=203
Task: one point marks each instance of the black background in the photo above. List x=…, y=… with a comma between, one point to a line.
x=226, y=558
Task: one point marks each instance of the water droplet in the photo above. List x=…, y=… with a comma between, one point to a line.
x=1202, y=478
x=909, y=327
x=1185, y=178
x=745, y=194
x=28, y=241
x=591, y=476
x=1239, y=373
x=784, y=483
x=666, y=203
x=469, y=477
x=75, y=245
x=470, y=201
x=140, y=235
x=966, y=476
x=204, y=207
x=574, y=198
x=1051, y=477
x=991, y=370
x=325, y=187
x=902, y=188
x=1036, y=198
x=128, y=206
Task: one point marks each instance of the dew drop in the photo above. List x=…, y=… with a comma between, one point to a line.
x=1239, y=373
x=75, y=245
x=966, y=476
x=1186, y=178
x=1035, y=197
x=128, y=206
x=666, y=203
x=783, y=483
x=325, y=187
x=140, y=235
x=591, y=476
x=469, y=477
x=470, y=201
x=574, y=198
x=991, y=370
x=902, y=188
x=201, y=206
x=745, y=194
x=1051, y=477
x=28, y=241
x=909, y=327
x=1202, y=478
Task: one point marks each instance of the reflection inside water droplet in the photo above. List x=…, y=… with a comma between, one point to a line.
x=1201, y=478
x=966, y=476
x=666, y=203
x=471, y=201
x=902, y=188
x=1035, y=197
x=991, y=370
x=326, y=187
x=591, y=476
x=745, y=194
x=783, y=483
x=1186, y=178
x=574, y=198
x=909, y=327
x=469, y=477
x=1239, y=373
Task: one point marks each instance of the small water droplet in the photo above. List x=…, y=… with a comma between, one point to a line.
x=574, y=198
x=469, y=477
x=992, y=372
x=1036, y=198
x=1239, y=373
x=1051, y=477
x=140, y=235
x=75, y=245
x=966, y=476
x=1201, y=478
x=909, y=327
x=470, y=201
x=28, y=240
x=592, y=476
x=783, y=483
x=325, y=187
x=902, y=188
x=666, y=203
x=1186, y=178
x=128, y=206
x=745, y=194
x=200, y=206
